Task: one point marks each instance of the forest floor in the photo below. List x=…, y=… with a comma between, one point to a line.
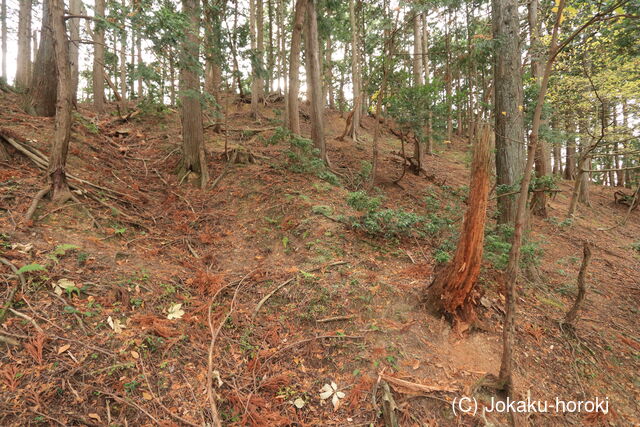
x=102, y=341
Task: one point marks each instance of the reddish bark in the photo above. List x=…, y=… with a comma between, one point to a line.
x=451, y=291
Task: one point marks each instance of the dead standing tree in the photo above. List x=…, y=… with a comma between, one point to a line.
x=451, y=292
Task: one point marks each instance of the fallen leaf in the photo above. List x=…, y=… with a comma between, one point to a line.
x=115, y=324
x=175, y=312
x=135, y=355
x=95, y=417
x=147, y=396
x=64, y=348
x=298, y=403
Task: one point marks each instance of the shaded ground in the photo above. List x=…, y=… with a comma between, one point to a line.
x=349, y=313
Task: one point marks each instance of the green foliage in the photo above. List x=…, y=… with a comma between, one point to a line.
x=61, y=250
x=360, y=201
x=303, y=158
x=497, y=244
x=386, y=222
x=30, y=268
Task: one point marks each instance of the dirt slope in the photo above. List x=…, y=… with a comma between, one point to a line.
x=104, y=352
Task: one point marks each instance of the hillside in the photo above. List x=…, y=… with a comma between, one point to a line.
x=279, y=289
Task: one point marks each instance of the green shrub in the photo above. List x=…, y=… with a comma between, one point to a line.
x=303, y=158
x=497, y=244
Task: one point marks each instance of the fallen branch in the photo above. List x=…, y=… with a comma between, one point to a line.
x=417, y=387
x=285, y=283
x=129, y=403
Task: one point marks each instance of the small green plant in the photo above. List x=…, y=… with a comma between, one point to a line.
x=61, y=250
x=498, y=244
x=30, y=268
x=303, y=157
x=386, y=222
x=131, y=386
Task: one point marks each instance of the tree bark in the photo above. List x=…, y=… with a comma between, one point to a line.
x=355, y=72
x=3, y=22
x=572, y=314
x=193, y=156
x=44, y=83
x=74, y=47
x=511, y=276
x=451, y=291
x=58, y=158
x=23, y=68
x=539, y=199
x=418, y=64
x=570, y=161
x=123, y=66
x=98, y=58
x=294, y=67
x=314, y=80
x=256, y=29
x=509, y=126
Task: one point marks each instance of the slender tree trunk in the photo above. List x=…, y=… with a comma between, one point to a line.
x=539, y=200
x=509, y=126
x=572, y=314
x=451, y=291
x=270, y=56
x=448, y=78
x=3, y=21
x=193, y=156
x=123, y=66
x=427, y=79
x=511, y=277
x=74, y=47
x=44, y=83
x=294, y=68
x=557, y=154
x=257, y=47
x=418, y=64
x=98, y=58
x=570, y=161
x=58, y=158
x=355, y=72
x=140, y=90
x=23, y=68
x=328, y=68
x=314, y=80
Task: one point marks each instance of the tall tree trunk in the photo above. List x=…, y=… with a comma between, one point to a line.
x=44, y=83
x=74, y=47
x=418, y=64
x=193, y=155
x=123, y=65
x=58, y=158
x=513, y=265
x=23, y=68
x=427, y=79
x=294, y=67
x=539, y=200
x=328, y=72
x=3, y=22
x=509, y=126
x=355, y=72
x=257, y=47
x=570, y=161
x=451, y=291
x=98, y=58
x=557, y=154
x=270, y=56
x=140, y=90
x=314, y=80
x=448, y=78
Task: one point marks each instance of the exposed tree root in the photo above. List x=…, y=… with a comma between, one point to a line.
x=34, y=204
